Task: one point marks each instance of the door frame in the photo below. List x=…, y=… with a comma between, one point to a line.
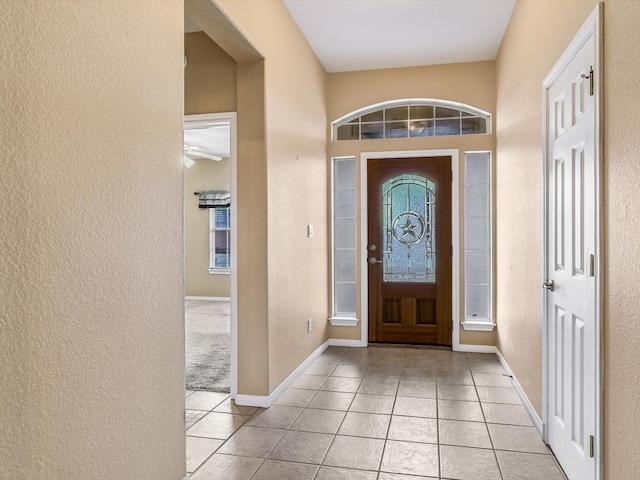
x=592, y=27
x=455, y=235
x=231, y=118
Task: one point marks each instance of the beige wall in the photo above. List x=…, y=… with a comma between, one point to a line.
x=296, y=285
x=203, y=175
x=92, y=343
x=469, y=83
x=209, y=77
x=522, y=65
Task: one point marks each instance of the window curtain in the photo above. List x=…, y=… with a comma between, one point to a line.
x=214, y=199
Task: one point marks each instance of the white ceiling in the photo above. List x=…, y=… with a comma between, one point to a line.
x=214, y=139
x=349, y=35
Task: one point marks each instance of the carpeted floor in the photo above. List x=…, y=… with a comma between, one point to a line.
x=207, y=345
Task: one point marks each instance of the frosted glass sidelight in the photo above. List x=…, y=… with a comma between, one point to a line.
x=477, y=226
x=345, y=300
x=344, y=237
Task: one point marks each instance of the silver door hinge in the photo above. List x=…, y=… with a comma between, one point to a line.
x=591, y=446
x=590, y=77
x=592, y=266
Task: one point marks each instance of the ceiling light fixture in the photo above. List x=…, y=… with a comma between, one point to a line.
x=188, y=162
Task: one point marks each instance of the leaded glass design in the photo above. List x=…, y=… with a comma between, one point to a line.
x=410, y=119
x=409, y=228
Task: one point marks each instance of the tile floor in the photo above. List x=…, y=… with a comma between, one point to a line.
x=376, y=413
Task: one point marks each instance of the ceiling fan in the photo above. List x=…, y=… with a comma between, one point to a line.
x=193, y=152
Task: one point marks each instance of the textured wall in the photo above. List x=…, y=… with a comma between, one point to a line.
x=209, y=78
x=470, y=83
x=295, y=96
x=204, y=175
x=91, y=309
x=522, y=65
x=622, y=243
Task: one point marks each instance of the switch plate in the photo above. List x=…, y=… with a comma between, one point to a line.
x=309, y=231
x=309, y=325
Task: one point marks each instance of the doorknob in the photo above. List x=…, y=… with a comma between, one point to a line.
x=549, y=285
x=373, y=261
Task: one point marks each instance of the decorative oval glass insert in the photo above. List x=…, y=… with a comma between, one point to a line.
x=408, y=222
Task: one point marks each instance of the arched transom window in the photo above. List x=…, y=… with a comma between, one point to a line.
x=412, y=118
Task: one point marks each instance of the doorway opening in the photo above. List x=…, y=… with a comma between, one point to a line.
x=210, y=251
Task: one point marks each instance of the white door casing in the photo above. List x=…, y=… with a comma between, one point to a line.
x=572, y=254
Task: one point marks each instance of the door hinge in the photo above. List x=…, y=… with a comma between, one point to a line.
x=590, y=77
x=592, y=266
x=591, y=446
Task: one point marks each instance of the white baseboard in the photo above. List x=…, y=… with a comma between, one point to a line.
x=476, y=348
x=267, y=400
x=209, y=299
x=341, y=342
x=535, y=418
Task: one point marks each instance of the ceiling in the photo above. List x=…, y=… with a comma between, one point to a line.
x=349, y=35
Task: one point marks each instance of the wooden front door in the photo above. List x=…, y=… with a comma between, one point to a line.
x=409, y=250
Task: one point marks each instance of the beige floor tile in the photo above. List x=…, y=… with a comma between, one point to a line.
x=205, y=400
x=428, y=374
x=516, y=438
x=304, y=447
x=492, y=380
x=464, y=463
x=410, y=458
x=369, y=403
x=309, y=382
x=486, y=367
x=277, y=416
x=457, y=392
x=217, y=425
x=188, y=392
x=369, y=425
x=334, y=473
x=457, y=410
x=455, y=378
x=482, y=358
x=388, y=361
x=198, y=450
x=417, y=388
x=355, y=452
x=341, y=384
x=398, y=476
x=379, y=386
x=498, y=395
x=320, y=369
x=331, y=400
x=528, y=466
x=415, y=407
x=330, y=358
x=349, y=371
x=275, y=470
x=414, y=429
x=192, y=417
x=506, y=414
x=319, y=421
x=384, y=372
x=252, y=442
x=295, y=397
x=228, y=467
x=464, y=434
x=229, y=406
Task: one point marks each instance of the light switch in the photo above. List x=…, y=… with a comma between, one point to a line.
x=309, y=231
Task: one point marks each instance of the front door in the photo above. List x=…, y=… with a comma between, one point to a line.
x=409, y=250
x=571, y=299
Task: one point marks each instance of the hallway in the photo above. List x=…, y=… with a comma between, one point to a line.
x=376, y=413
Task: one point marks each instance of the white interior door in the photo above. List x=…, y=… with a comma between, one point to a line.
x=572, y=346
